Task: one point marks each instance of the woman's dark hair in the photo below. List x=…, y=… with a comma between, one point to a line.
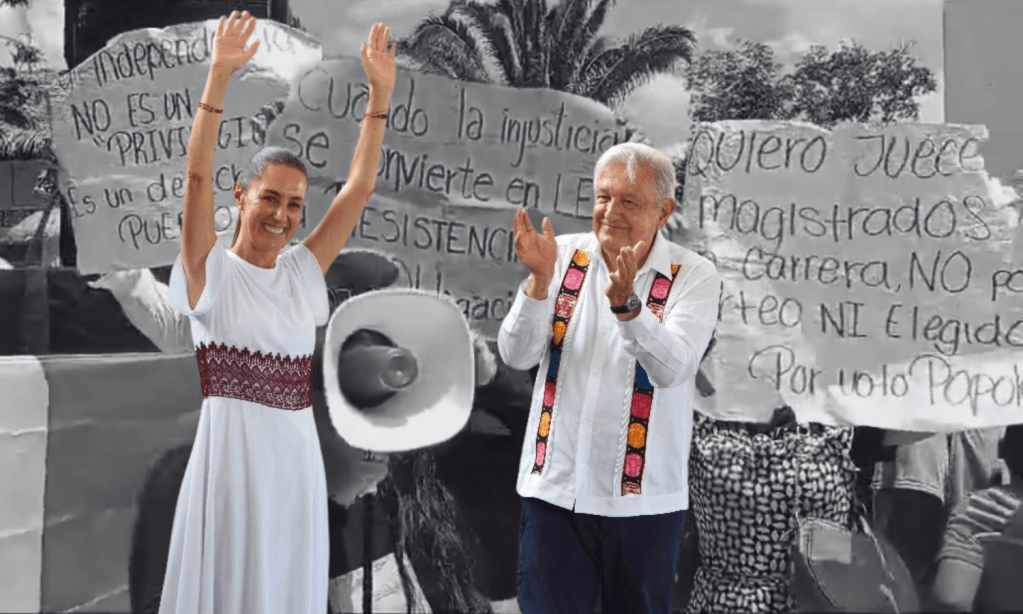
x=257, y=166
x=1010, y=449
x=430, y=529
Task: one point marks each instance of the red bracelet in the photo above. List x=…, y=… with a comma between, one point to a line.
x=381, y=115
x=206, y=107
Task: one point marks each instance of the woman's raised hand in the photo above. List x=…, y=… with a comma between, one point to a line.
x=377, y=61
x=233, y=32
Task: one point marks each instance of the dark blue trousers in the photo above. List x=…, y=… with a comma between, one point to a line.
x=567, y=559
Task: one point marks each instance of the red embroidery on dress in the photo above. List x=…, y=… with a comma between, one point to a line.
x=643, y=397
x=566, y=301
x=267, y=379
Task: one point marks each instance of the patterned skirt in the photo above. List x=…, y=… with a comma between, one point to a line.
x=746, y=488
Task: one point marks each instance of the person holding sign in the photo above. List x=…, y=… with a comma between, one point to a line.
x=250, y=526
x=618, y=321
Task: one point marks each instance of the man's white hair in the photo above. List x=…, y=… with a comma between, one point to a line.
x=634, y=154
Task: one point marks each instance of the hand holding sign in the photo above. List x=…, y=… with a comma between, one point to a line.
x=229, y=50
x=539, y=252
x=377, y=61
x=619, y=289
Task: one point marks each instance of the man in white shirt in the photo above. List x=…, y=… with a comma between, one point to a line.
x=617, y=320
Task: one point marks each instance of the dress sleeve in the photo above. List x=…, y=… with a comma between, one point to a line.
x=216, y=272
x=311, y=280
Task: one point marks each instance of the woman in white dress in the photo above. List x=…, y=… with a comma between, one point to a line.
x=250, y=526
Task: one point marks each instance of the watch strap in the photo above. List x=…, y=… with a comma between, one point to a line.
x=624, y=307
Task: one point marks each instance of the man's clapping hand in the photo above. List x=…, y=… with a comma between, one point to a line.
x=623, y=274
x=538, y=252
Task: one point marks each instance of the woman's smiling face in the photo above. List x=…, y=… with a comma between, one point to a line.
x=271, y=207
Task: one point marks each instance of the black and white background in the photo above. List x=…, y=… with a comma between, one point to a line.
x=67, y=513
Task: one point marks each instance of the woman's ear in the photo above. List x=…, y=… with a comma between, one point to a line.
x=239, y=192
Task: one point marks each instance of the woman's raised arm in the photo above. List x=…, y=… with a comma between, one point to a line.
x=197, y=233
x=331, y=234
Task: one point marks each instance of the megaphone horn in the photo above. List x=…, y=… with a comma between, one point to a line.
x=372, y=368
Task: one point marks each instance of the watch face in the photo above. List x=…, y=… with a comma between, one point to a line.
x=633, y=303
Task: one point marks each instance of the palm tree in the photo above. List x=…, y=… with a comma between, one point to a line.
x=523, y=43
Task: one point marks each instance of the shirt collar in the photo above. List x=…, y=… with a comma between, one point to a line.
x=659, y=258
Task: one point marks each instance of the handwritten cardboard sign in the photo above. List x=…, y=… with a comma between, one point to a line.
x=458, y=160
x=345, y=592
x=868, y=275
x=121, y=136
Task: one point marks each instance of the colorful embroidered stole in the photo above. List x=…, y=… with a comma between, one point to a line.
x=643, y=396
x=568, y=296
x=643, y=391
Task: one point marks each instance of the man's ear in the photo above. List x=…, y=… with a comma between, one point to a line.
x=667, y=208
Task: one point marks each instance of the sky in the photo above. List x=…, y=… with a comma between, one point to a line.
x=659, y=108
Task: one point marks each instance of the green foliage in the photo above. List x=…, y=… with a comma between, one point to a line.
x=824, y=87
x=744, y=83
x=24, y=54
x=20, y=112
x=24, y=146
x=526, y=44
x=15, y=96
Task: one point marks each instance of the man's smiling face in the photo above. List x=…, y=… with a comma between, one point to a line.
x=625, y=211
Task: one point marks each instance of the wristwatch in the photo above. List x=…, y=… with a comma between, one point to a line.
x=631, y=304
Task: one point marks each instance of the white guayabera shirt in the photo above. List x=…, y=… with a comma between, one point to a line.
x=596, y=442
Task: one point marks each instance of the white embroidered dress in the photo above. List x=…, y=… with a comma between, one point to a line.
x=250, y=529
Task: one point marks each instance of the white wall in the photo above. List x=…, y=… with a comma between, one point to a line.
x=984, y=76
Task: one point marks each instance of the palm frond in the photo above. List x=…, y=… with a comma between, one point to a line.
x=495, y=35
x=536, y=51
x=619, y=70
x=570, y=16
x=513, y=10
x=25, y=146
x=586, y=35
x=593, y=53
x=448, y=45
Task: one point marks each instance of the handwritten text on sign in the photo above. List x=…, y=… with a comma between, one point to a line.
x=121, y=136
x=458, y=159
x=867, y=274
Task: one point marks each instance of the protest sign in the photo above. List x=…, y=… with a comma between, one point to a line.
x=868, y=275
x=458, y=160
x=121, y=135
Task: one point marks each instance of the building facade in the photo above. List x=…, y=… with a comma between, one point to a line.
x=90, y=24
